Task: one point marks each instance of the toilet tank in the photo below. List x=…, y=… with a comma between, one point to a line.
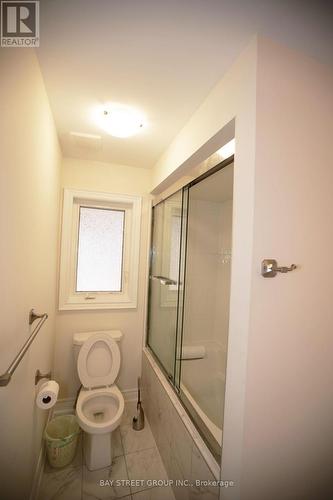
x=80, y=338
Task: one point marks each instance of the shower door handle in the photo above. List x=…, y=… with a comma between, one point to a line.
x=164, y=280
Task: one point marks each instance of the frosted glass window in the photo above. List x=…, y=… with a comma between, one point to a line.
x=100, y=250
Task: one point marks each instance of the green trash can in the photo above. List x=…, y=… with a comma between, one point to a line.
x=61, y=436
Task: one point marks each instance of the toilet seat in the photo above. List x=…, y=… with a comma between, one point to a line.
x=100, y=410
x=98, y=361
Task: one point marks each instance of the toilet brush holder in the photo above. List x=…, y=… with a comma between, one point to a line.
x=139, y=420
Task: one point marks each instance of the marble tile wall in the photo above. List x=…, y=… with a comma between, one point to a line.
x=178, y=449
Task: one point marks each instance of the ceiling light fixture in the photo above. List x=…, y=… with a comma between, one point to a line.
x=120, y=121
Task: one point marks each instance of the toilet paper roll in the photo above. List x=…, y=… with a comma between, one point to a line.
x=47, y=395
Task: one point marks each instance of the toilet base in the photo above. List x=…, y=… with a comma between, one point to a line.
x=97, y=450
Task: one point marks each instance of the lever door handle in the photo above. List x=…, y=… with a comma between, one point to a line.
x=285, y=269
x=269, y=268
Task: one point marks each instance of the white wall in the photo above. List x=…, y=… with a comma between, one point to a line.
x=29, y=195
x=288, y=445
x=104, y=177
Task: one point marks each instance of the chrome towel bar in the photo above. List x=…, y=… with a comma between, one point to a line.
x=5, y=377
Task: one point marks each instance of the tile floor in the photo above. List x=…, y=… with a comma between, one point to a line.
x=135, y=458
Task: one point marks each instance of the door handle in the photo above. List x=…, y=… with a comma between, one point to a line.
x=269, y=268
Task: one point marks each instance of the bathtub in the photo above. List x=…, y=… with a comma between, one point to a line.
x=202, y=390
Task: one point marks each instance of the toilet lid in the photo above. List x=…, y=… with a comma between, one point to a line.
x=98, y=361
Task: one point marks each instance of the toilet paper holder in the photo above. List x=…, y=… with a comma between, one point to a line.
x=39, y=376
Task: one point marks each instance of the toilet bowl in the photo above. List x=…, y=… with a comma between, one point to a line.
x=100, y=410
x=100, y=404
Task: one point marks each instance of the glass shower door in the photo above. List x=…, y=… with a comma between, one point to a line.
x=163, y=281
x=202, y=347
x=189, y=294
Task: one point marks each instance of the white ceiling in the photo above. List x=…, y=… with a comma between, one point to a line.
x=160, y=56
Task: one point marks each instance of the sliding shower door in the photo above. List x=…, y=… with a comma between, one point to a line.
x=188, y=317
x=205, y=313
x=164, y=278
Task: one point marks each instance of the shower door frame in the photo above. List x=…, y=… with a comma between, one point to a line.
x=169, y=376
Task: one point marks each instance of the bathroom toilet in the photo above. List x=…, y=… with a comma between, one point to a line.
x=100, y=404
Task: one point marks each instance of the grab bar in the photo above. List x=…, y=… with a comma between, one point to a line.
x=164, y=281
x=5, y=377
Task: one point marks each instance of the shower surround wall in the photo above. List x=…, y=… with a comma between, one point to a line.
x=178, y=448
x=29, y=198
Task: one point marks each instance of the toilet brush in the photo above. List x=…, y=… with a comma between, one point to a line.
x=139, y=419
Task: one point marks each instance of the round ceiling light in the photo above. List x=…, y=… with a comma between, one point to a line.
x=120, y=121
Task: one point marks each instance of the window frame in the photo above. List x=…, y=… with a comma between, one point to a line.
x=69, y=298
